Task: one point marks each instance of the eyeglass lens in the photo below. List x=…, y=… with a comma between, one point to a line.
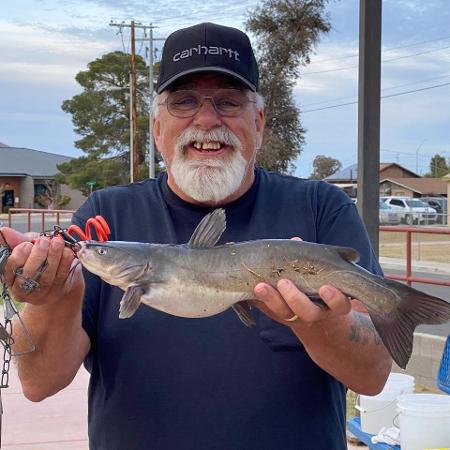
x=227, y=102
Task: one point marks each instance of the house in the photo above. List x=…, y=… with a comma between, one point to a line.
x=394, y=180
x=413, y=187
x=26, y=175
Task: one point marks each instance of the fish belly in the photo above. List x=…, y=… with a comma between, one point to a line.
x=192, y=301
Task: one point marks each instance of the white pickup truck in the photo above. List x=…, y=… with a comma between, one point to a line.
x=412, y=210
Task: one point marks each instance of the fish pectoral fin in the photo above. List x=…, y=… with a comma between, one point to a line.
x=130, y=301
x=242, y=309
x=209, y=230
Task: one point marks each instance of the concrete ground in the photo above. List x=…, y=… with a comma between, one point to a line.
x=57, y=423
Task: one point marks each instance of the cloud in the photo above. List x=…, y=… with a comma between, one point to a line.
x=34, y=54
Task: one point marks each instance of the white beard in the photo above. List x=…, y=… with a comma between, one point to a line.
x=208, y=179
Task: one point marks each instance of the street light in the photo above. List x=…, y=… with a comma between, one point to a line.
x=91, y=184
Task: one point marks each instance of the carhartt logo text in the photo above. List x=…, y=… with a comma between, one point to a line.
x=204, y=50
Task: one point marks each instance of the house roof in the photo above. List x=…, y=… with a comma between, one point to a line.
x=384, y=166
x=351, y=172
x=422, y=186
x=16, y=161
x=347, y=173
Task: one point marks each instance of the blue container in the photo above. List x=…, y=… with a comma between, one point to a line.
x=443, y=376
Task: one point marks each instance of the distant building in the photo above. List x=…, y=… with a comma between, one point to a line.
x=27, y=175
x=413, y=187
x=394, y=180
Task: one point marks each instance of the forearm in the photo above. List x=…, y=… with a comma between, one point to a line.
x=349, y=348
x=60, y=347
x=51, y=313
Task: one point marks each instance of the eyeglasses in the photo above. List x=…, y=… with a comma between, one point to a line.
x=226, y=102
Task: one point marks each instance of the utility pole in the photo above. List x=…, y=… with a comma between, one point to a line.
x=134, y=159
x=151, y=88
x=133, y=98
x=151, y=146
x=417, y=155
x=369, y=116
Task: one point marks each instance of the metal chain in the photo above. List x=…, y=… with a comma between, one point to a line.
x=7, y=343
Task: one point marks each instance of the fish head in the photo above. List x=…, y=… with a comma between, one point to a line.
x=117, y=263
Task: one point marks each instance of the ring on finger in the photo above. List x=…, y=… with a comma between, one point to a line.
x=29, y=285
x=292, y=319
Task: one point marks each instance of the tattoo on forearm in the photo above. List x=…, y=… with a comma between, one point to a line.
x=363, y=331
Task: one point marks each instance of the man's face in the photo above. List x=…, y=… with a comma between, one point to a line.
x=209, y=157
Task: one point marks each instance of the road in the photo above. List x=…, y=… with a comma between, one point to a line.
x=20, y=222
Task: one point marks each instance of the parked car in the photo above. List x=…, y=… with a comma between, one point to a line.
x=412, y=210
x=440, y=205
x=388, y=215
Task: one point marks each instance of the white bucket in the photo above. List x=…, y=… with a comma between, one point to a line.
x=379, y=411
x=424, y=421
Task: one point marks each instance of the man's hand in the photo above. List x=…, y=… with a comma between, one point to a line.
x=290, y=306
x=49, y=256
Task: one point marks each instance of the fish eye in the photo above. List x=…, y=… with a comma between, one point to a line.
x=102, y=251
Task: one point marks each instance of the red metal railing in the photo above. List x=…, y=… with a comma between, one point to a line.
x=41, y=212
x=408, y=277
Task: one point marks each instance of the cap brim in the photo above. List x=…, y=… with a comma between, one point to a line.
x=176, y=77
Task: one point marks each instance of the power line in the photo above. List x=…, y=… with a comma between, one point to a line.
x=354, y=55
x=382, y=90
x=383, y=61
x=383, y=96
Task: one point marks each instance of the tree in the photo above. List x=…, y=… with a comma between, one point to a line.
x=324, y=166
x=79, y=172
x=438, y=166
x=286, y=32
x=48, y=196
x=101, y=115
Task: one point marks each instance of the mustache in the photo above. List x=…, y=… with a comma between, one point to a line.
x=219, y=134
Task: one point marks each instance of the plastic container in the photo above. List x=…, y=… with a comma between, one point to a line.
x=380, y=410
x=424, y=421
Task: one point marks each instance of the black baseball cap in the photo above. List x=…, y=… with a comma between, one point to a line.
x=208, y=47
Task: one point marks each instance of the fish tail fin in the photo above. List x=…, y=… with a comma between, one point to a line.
x=415, y=308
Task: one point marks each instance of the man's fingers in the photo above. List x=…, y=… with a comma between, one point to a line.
x=39, y=269
x=16, y=260
x=64, y=267
x=273, y=302
x=13, y=238
x=298, y=302
x=335, y=299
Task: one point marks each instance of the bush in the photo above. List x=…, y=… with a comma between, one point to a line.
x=62, y=201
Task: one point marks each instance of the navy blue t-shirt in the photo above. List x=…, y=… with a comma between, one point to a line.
x=161, y=382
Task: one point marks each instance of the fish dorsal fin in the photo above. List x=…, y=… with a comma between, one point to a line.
x=349, y=254
x=209, y=230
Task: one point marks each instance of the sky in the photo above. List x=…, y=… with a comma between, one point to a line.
x=45, y=43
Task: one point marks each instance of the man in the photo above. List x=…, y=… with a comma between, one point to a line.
x=164, y=382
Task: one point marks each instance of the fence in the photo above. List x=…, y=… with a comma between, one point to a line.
x=43, y=213
x=408, y=277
